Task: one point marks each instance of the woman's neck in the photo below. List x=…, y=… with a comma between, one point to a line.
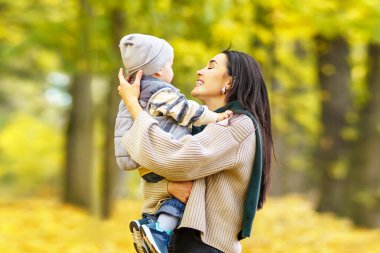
x=214, y=103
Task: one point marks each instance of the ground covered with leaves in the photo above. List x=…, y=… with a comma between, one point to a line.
x=285, y=224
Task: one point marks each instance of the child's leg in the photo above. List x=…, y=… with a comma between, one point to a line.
x=167, y=222
x=170, y=214
x=134, y=227
x=158, y=235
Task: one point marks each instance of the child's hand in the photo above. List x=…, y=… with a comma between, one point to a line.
x=224, y=115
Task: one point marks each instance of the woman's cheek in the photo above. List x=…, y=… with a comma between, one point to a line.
x=195, y=91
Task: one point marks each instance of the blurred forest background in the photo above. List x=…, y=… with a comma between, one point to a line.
x=58, y=101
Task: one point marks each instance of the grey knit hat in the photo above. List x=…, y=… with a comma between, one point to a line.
x=149, y=53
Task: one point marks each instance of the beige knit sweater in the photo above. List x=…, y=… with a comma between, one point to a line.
x=219, y=159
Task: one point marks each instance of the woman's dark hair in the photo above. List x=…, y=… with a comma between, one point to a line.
x=248, y=87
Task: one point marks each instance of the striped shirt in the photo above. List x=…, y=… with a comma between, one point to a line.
x=184, y=111
x=219, y=159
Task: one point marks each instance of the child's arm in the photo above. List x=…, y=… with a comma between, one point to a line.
x=171, y=103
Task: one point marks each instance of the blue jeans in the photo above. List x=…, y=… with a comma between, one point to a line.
x=172, y=207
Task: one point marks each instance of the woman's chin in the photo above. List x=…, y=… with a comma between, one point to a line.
x=195, y=92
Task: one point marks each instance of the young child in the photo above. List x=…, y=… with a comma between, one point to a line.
x=175, y=114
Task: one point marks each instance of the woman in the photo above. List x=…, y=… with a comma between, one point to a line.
x=229, y=182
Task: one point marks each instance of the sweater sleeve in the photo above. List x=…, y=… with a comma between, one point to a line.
x=184, y=111
x=188, y=158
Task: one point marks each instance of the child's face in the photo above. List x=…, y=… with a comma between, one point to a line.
x=167, y=72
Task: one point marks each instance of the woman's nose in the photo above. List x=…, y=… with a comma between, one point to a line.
x=200, y=72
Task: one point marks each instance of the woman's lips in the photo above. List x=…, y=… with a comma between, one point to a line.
x=199, y=83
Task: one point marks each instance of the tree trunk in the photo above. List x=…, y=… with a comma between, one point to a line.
x=111, y=172
x=78, y=185
x=79, y=147
x=334, y=79
x=364, y=202
x=285, y=178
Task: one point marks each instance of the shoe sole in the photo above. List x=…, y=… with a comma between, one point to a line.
x=138, y=242
x=148, y=239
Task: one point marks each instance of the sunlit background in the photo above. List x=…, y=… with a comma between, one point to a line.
x=60, y=188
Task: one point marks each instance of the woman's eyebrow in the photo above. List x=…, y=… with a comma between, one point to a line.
x=212, y=61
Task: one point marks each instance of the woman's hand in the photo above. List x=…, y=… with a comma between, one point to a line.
x=180, y=190
x=130, y=93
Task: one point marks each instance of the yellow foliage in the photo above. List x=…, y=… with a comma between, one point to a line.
x=30, y=150
x=290, y=225
x=284, y=225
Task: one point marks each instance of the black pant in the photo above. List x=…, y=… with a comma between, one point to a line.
x=187, y=240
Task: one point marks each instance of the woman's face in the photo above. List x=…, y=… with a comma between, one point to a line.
x=212, y=78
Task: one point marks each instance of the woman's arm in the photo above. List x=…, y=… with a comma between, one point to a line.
x=188, y=158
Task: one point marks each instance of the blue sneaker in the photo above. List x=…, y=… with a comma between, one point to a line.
x=138, y=242
x=155, y=238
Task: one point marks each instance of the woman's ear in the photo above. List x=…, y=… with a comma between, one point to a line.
x=230, y=83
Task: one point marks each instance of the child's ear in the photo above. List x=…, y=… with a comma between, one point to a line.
x=158, y=74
